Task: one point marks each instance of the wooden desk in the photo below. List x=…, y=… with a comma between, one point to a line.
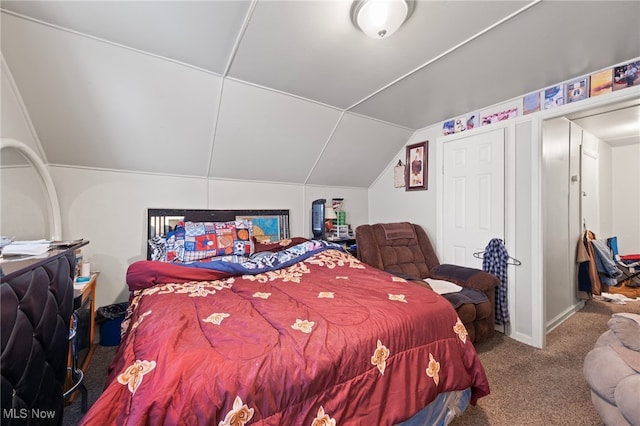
x=347, y=243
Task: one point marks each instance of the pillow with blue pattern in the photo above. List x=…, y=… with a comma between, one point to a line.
x=200, y=240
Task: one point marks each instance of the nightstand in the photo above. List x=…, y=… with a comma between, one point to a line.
x=349, y=243
x=84, y=308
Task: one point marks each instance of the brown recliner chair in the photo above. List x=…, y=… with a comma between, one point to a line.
x=404, y=249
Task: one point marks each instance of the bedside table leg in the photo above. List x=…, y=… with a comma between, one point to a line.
x=77, y=375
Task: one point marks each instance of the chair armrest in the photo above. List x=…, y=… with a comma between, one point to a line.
x=466, y=277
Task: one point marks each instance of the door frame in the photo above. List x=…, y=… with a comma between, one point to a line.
x=621, y=97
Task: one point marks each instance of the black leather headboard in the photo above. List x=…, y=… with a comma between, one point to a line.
x=37, y=303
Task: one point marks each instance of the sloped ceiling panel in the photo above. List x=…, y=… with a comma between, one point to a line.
x=290, y=44
x=200, y=33
x=135, y=85
x=533, y=50
x=111, y=107
x=14, y=125
x=266, y=135
x=359, y=148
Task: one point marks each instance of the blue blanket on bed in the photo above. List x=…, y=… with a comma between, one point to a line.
x=268, y=261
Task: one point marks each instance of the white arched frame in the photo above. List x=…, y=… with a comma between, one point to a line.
x=55, y=220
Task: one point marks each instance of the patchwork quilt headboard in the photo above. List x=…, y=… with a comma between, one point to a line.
x=268, y=225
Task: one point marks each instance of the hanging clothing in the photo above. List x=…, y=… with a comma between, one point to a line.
x=495, y=261
x=606, y=266
x=583, y=259
x=589, y=282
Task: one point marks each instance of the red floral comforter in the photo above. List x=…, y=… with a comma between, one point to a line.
x=325, y=341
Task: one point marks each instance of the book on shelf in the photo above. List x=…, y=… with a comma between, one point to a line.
x=65, y=243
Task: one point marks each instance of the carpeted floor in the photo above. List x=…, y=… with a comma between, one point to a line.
x=94, y=381
x=529, y=386
x=532, y=386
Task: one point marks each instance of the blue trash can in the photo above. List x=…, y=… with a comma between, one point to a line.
x=110, y=320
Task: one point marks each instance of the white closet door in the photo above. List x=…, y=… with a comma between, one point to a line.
x=473, y=207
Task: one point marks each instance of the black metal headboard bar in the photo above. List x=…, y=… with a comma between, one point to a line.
x=162, y=221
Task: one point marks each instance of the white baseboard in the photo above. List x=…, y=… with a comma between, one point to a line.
x=559, y=319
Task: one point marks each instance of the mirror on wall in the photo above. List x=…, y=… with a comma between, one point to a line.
x=29, y=208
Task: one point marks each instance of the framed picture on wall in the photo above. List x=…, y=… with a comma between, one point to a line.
x=416, y=166
x=577, y=90
x=601, y=82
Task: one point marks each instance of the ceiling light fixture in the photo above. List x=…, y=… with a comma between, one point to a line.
x=380, y=18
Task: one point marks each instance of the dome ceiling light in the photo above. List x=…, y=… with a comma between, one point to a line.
x=380, y=18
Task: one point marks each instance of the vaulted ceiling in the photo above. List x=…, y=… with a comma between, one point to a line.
x=283, y=91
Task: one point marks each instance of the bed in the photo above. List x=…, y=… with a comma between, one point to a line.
x=295, y=332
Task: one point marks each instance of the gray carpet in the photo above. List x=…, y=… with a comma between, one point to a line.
x=94, y=381
x=529, y=386
x=532, y=386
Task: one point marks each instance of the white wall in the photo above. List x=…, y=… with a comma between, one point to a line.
x=108, y=208
x=13, y=115
x=625, y=194
x=390, y=204
x=24, y=206
x=23, y=201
